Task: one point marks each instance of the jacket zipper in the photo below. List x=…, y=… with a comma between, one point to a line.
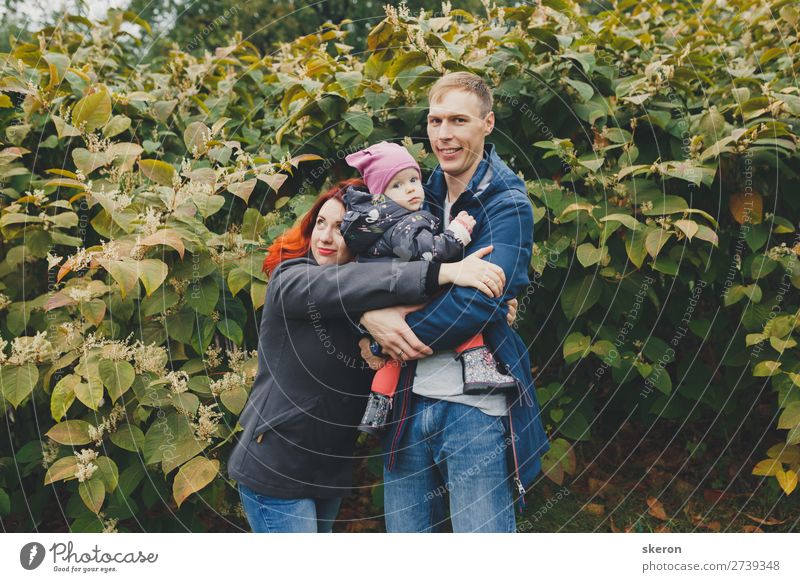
x=517, y=480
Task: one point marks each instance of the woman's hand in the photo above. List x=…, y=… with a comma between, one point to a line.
x=473, y=271
x=389, y=328
x=511, y=317
x=373, y=361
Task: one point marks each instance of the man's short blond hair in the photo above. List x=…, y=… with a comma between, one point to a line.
x=463, y=81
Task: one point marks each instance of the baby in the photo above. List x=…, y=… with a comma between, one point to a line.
x=387, y=222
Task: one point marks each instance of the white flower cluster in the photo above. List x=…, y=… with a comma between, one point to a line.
x=80, y=260
x=205, y=427
x=109, y=524
x=149, y=358
x=86, y=467
x=179, y=381
x=213, y=359
x=53, y=260
x=5, y=301
x=778, y=252
x=229, y=381
x=79, y=294
x=118, y=350
x=108, y=425
x=26, y=349
x=38, y=196
x=151, y=221
x=49, y=452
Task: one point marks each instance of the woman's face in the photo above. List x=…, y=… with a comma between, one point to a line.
x=327, y=242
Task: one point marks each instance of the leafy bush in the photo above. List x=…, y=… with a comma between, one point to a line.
x=659, y=146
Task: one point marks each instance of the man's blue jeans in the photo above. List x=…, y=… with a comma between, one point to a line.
x=456, y=451
x=274, y=515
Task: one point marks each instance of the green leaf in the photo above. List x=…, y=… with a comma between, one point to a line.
x=584, y=89
x=118, y=377
x=116, y=126
x=158, y=171
x=182, y=444
x=93, y=110
x=90, y=393
x=579, y=295
x=107, y=472
x=589, y=255
x=576, y=344
x=196, y=136
x=129, y=437
x=231, y=330
x=666, y=205
x=93, y=493
x=234, y=399
x=5, y=503
x=790, y=417
x=238, y=279
x=152, y=272
x=655, y=241
x=243, y=189
x=359, y=121
x=206, y=204
x=17, y=382
x=70, y=432
x=62, y=469
x=63, y=396
x=625, y=219
x=203, y=295
x=193, y=476
x=87, y=162
x=124, y=272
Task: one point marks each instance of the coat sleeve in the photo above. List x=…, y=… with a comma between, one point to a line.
x=300, y=287
x=456, y=315
x=421, y=243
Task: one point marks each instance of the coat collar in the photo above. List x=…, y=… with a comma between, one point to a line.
x=436, y=187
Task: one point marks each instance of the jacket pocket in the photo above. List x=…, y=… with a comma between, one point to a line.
x=278, y=418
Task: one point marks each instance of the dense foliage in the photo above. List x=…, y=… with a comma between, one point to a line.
x=659, y=147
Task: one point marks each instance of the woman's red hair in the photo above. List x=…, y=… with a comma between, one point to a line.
x=296, y=241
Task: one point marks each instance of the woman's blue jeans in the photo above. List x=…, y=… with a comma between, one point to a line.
x=274, y=515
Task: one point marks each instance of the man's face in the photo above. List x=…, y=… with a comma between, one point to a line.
x=457, y=131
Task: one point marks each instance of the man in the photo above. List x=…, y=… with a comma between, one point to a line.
x=477, y=450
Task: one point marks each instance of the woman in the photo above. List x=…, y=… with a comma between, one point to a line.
x=293, y=459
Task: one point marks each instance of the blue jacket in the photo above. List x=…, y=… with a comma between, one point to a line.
x=504, y=218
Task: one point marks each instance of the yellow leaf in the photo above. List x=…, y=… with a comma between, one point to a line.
x=193, y=476
x=767, y=468
x=787, y=480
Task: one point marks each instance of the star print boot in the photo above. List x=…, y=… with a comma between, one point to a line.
x=482, y=374
x=376, y=414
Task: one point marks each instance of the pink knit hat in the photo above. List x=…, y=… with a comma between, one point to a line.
x=380, y=162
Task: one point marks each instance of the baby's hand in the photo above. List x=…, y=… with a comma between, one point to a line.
x=466, y=220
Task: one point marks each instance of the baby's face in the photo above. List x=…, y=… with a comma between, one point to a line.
x=405, y=188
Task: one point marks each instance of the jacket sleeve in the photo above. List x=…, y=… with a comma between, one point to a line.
x=456, y=315
x=300, y=287
x=422, y=244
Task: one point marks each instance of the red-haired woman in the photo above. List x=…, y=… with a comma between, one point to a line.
x=293, y=459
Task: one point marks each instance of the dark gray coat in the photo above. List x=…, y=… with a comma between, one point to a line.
x=299, y=423
x=376, y=226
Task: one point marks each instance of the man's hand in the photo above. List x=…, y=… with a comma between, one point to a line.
x=389, y=328
x=373, y=361
x=511, y=317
